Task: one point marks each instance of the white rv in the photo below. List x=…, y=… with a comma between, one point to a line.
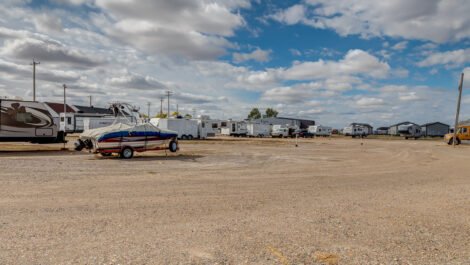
x=319, y=130
x=187, y=129
x=410, y=130
x=283, y=130
x=207, y=127
x=235, y=128
x=258, y=129
x=357, y=130
x=80, y=122
x=27, y=121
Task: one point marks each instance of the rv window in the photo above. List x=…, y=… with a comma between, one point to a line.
x=223, y=124
x=61, y=119
x=69, y=120
x=214, y=125
x=463, y=130
x=25, y=117
x=203, y=124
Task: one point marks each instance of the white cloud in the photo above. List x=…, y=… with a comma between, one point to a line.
x=451, y=58
x=435, y=20
x=51, y=51
x=291, y=15
x=400, y=46
x=355, y=62
x=191, y=29
x=47, y=23
x=256, y=55
x=369, y=102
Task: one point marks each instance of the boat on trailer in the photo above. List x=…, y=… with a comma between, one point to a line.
x=125, y=139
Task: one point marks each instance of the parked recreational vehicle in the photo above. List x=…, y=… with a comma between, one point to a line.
x=187, y=128
x=319, y=130
x=80, y=122
x=357, y=130
x=207, y=127
x=283, y=131
x=410, y=130
x=27, y=121
x=258, y=129
x=235, y=128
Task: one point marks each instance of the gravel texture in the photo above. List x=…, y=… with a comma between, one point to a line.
x=260, y=201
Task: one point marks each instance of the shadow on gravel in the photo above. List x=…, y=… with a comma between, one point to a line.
x=26, y=153
x=180, y=157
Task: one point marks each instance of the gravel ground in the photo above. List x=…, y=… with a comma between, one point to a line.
x=327, y=201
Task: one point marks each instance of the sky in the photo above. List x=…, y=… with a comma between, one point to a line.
x=333, y=61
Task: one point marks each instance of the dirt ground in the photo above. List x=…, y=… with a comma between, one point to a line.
x=327, y=201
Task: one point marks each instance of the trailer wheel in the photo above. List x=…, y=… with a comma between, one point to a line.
x=190, y=137
x=173, y=146
x=184, y=137
x=127, y=153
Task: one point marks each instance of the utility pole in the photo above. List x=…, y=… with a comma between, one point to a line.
x=168, y=94
x=177, y=109
x=90, y=101
x=34, y=63
x=161, y=105
x=148, y=109
x=65, y=115
x=458, y=110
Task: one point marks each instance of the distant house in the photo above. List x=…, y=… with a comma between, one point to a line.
x=57, y=108
x=393, y=129
x=93, y=110
x=435, y=129
x=301, y=123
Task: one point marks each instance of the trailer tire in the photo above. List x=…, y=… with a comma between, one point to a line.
x=127, y=153
x=173, y=146
x=184, y=137
x=190, y=137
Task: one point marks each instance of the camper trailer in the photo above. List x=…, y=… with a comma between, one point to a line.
x=80, y=122
x=357, y=130
x=410, y=130
x=187, y=128
x=27, y=121
x=283, y=131
x=258, y=129
x=207, y=127
x=235, y=128
x=319, y=130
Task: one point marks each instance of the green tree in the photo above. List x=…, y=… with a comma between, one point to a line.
x=271, y=113
x=188, y=116
x=254, y=114
x=175, y=114
x=161, y=115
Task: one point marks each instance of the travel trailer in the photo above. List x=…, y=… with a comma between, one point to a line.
x=357, y=130
x=410, y=130
x=187, y=129
x=207, y=127
x=27, y=121
x=235, y=128
x=258, y=129
x=283, y=131
x=80, y=122
x=319, y=130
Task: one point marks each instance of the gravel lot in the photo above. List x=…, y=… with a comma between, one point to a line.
x=260, y=201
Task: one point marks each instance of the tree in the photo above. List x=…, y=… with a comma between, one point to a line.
x=271, y=113
x=161, y=115
x=188, y=116
x=175, y=114
x=254, y=114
